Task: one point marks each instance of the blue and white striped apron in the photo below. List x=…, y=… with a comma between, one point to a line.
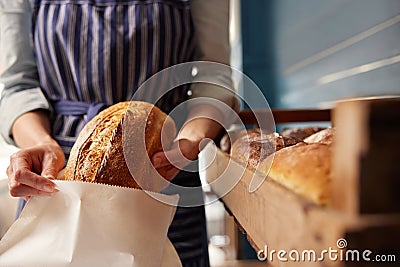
x=94, y=53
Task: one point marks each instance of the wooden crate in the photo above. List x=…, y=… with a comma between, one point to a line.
x=275, y=217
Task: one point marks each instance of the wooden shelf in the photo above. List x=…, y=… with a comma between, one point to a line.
x=365, y=207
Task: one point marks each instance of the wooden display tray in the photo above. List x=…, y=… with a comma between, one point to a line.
x=276, y=217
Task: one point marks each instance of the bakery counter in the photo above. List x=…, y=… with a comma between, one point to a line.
x=362, y=214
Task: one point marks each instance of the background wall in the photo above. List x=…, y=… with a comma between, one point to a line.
x=306, y=53
x=302, y=53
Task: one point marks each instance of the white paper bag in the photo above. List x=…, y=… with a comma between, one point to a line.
x=87, y=224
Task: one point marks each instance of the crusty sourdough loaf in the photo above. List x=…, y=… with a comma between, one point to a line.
x=254, y=146
x=97, y=156
x=304, y=168
x=228, y=139
x=300, y=133
x=323, y=137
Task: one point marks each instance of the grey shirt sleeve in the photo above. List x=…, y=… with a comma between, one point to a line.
x=211, y=22
x=21, y=92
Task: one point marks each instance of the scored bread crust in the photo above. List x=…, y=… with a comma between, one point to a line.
x=326, y=136
x=97, y=155
x=254, y=146
x=300, y=133
x=303, y=168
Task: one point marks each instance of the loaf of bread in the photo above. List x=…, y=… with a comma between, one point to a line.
x=300, y=133
x=230, y=137
x=304, y=168
x=254, y=146
x=98, y=156
x=323, y=137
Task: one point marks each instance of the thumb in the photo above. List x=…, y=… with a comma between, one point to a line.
x=49, y=169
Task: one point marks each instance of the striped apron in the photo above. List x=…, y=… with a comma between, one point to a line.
x=94, y=53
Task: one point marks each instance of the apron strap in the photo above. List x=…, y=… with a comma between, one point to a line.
x=76, y=108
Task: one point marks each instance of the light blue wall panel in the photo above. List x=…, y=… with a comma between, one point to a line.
x=327, y=50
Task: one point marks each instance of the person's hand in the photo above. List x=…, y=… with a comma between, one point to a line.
x=169, y=163
x=31, y=170
x=200, y=127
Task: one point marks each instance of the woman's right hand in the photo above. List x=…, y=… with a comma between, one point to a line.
x=31, y=170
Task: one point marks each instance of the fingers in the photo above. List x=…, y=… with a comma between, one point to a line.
x=22, y=181
x=174, y=157
x=26, y=192
x=27, y=183
x=182, y=153
x=51, y=164
x=169, y=163
x=168, y=172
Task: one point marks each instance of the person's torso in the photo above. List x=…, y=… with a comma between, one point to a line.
x=101, y=51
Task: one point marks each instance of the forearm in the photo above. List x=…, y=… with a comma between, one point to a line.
x=32, y=128
x=39, y=160
x=21, y=93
